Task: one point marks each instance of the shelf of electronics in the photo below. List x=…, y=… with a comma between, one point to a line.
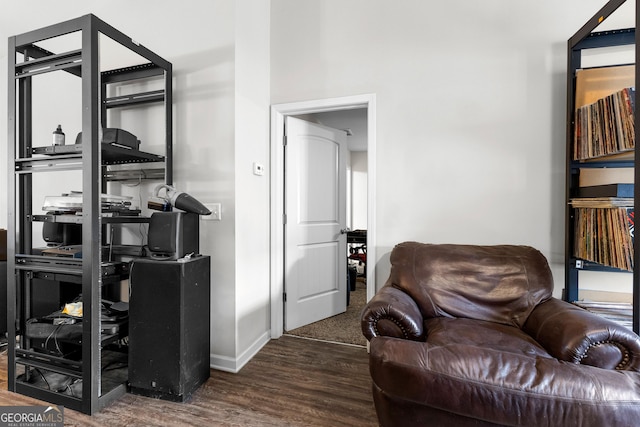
x=68, y=266
x=69, y=157
x=76, y=218
x=67, y=208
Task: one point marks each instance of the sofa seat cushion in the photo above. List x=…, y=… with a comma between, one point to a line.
x=443, y=331
x=501, y=383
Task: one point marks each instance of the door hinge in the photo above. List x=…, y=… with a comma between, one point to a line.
x=284, y=296
x=284, y=140
x=284, y=219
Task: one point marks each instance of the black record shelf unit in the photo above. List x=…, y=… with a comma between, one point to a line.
x=93, y=383
x=590, y=37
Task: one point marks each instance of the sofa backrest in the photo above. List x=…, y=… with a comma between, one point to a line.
x=494, y=283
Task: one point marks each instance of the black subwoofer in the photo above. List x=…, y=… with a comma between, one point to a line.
x=169, y=327
x=3, y=298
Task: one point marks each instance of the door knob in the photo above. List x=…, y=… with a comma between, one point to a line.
x=345, y=230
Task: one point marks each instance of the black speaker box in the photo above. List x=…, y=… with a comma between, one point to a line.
x=169, y=327
x=64, y=234
x=3, y=297
x=173, y=235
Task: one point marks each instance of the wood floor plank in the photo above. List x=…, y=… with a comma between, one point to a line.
x=290, y=382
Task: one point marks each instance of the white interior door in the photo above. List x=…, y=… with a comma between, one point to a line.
x=315, y=211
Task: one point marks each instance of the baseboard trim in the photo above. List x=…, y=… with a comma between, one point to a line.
x=233, y=365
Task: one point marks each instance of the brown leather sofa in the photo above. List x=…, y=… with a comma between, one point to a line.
x=470, y=336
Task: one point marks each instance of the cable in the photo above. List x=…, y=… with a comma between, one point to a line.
x=55, y=340
x=143, y=231
x=43, y=377
x=111, y=244
x=130, y=276
x=68, y=387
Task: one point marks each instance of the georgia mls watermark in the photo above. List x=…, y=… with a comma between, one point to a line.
x=31, y=416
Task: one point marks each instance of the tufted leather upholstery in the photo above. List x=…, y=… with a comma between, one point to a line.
x=470, y=335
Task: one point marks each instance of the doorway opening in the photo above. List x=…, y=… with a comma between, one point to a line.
x=332, y=112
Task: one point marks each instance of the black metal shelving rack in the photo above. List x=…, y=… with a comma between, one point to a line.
x=587, y=38
x=93, y=159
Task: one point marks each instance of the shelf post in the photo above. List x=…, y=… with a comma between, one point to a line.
x=636, y=195
x=11, y=218
x=91, y=224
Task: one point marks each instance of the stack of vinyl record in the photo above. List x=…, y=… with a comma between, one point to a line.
x=605, y=127
x=604, y=235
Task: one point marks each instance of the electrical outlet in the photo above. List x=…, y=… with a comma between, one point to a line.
x=216, y=212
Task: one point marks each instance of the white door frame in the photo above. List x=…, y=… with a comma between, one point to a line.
x=278, y=113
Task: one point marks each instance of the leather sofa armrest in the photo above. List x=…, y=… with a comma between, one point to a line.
x=392, y=313
x=573, y=334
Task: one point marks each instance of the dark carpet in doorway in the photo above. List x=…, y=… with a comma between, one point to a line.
x=343, y=328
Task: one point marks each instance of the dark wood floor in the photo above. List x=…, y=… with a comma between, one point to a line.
x=290, y=382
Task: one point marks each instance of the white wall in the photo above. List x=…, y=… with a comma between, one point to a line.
x=470, y=109
x=359, y=190
x=220, y=55
x=252, y=191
